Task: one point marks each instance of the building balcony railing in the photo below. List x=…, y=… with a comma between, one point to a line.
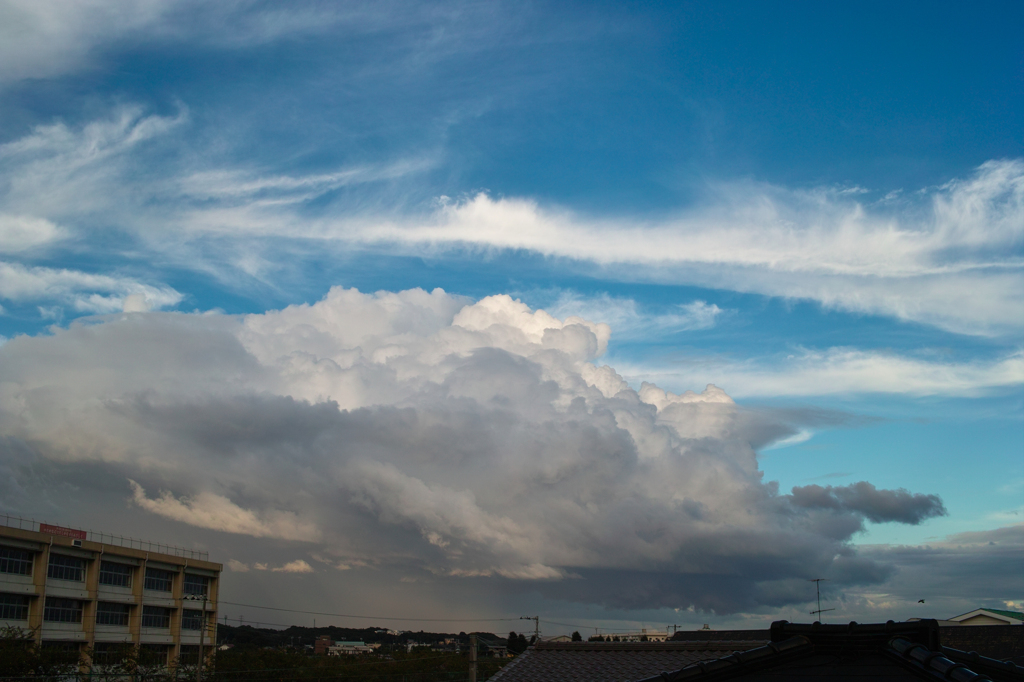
x=12, y=521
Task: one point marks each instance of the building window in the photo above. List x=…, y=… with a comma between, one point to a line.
x=61, y=653
x=16, y=561
x=190, y=654
x=112, y=653
x=158, y=580
x=156, y=617
x=13, y=607
x=60, y=610
x=191, y=620
x=153, y=654
x=197, y=584
x=66, y=568
x=108, y=613
x=115, y=574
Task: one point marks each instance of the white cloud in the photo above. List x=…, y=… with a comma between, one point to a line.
x=845, y=371
x=297, y=566
x=83, y=292
x=417, y=431
x=801, y=436
x=954, y=263
x=48, y=38
x=766, y=227
x=209, y=510
x=41, y=38
x=630, y=321
x=21, y=233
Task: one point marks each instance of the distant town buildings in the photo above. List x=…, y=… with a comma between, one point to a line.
x=90, y=591
x=642, y=635
x=349, y=648
x=325, y=646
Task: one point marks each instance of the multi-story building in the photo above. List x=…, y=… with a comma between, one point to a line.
x=75, y=589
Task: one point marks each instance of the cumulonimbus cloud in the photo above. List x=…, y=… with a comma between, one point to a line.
x=425, y=430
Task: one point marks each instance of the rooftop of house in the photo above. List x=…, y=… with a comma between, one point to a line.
x=610, y=661
x=887, y=652
x=1014, y=615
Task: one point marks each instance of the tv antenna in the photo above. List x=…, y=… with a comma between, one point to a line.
x=817, y=589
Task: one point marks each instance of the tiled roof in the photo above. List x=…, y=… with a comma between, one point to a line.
x=609, y=661
x=890, y=653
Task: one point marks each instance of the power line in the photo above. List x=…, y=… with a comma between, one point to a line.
x=571, y=625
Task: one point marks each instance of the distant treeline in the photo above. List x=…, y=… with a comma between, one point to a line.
x=22, y=659
x=298, y=636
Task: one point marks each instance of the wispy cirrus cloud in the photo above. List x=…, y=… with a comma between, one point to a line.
x=844, y=371
x=949, y=257
x=630, y=320
x=46, y=39
x=82, y=292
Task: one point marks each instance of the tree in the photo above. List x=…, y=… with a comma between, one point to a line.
x=512, y=643
x=21, y=656
x=516, y=643
x=576, y=637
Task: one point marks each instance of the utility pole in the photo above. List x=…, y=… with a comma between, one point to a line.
x=202, y=632
x=536, y=626
x=202, y=640
x=472, y=658
x=817, y=589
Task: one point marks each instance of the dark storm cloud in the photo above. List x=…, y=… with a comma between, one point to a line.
x=978, y=565
x=878, y=506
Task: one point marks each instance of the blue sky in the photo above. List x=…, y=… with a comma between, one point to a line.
x=817, y=208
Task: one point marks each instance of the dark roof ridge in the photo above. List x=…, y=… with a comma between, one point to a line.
x=673, y=645
x=934, y=663
x=763, y=656
x=908, y=643
x=985, y=664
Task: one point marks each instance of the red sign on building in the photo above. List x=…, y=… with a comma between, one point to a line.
x=58, y=530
